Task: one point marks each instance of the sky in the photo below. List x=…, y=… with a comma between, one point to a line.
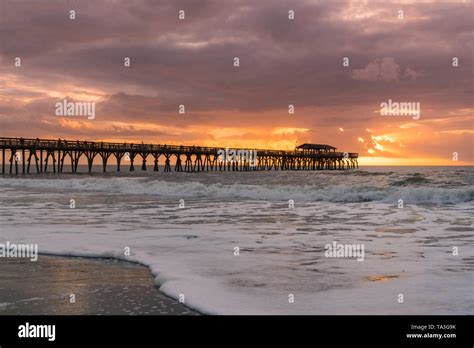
x=336, y=62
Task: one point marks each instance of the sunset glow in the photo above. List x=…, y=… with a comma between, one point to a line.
x=270, y=100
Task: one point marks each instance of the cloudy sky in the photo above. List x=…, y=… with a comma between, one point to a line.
x=403, y=56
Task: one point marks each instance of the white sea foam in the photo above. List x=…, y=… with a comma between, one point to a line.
x=305, y=193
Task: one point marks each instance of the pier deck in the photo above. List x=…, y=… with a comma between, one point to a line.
x=43, y=155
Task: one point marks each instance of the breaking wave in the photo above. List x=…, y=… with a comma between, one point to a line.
x=415, y=179
x=349, y=193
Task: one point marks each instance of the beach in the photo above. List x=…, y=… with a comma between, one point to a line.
x=99, y=286
x=256, y=242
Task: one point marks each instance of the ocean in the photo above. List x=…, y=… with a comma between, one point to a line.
x=257, y=242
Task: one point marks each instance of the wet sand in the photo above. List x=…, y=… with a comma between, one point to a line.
x=100, y=286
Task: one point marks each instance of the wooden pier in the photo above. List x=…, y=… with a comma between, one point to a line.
x=22, y=155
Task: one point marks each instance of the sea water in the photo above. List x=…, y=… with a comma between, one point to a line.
x=256, y=242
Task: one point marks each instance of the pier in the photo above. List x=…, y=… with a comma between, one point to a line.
x=24, y=155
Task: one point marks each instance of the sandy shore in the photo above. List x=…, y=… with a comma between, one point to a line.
x=100, y=286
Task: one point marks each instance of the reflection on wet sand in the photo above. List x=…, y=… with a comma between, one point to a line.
x=98, y=286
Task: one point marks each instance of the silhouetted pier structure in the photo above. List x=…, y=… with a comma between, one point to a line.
x=43, y=155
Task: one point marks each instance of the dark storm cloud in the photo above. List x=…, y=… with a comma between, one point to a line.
x=190, y=61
